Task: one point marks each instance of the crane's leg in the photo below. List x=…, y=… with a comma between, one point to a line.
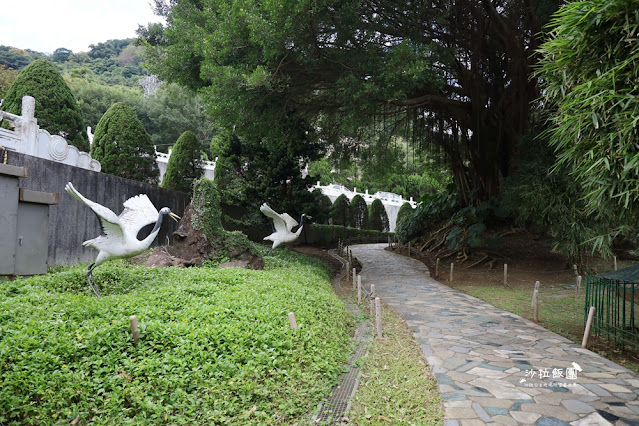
x=88, y=276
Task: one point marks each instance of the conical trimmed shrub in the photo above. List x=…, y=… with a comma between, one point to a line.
x=185, y=164
x=57, y=110
x=123, y=147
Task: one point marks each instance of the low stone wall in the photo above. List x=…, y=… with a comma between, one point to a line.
x=71, y=222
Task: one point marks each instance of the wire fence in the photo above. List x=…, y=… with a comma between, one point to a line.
x=616, y=309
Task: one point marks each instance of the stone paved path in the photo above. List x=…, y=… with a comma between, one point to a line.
x=484, y=358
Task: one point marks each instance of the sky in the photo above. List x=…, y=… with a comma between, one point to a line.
x=45, y=25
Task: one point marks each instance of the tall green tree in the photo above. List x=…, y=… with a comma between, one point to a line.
x=589, y=69
x=340, y=211
x=185, y=164
x=378, y=218
x=359, y=212
x=56, y=108
x=450, y=75
x=123, y=147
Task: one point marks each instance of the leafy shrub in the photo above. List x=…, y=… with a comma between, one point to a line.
x=589, y=71
x=329, y=235
x=213, y=344
x=185, y=164
x=552, y=202
x=410, y=223
x=57, y=110
x=378, y=219
x=472, y=221
x=340, y=211
x=359, y=213
x=123, y=147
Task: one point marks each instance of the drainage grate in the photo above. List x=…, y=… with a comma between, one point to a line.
x=333, y=409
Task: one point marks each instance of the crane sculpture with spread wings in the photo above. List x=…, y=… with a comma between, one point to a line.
x=283, y=225
x=119, y=239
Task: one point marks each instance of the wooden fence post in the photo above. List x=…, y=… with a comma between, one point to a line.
x=578, y=284
x=505, y=274
x=292, y=321
x=378, y=316
x=437, y=268
x=354, y=277
x=359, y=289
x=614, y=262
x=372, y=290
x=451, y=271
x=134, y=329
x=591, y=314
x=535, y=302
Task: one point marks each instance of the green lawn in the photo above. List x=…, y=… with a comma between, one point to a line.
x=215, y=345
x=559, y=311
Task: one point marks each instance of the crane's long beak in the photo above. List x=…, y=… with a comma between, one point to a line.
x=174, y=216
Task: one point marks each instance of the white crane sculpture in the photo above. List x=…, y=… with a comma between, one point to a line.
x=283, y=225
x=119, y=239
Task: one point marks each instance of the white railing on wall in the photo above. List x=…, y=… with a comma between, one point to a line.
x=335, y=190
x=162, y=159
x=28, y=138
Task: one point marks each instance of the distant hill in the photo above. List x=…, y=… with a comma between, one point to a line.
x=113, y=62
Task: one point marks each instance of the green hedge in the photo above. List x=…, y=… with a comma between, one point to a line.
x=331, y=234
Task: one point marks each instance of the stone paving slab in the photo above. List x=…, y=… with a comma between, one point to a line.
x=493, y=366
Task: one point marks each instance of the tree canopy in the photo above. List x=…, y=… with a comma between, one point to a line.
x=123, y=147
x=56, y=108
x=452, y=76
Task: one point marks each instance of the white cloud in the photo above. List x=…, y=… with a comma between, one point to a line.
x=45, y=25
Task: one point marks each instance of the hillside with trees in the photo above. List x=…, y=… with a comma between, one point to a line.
x=111, y=72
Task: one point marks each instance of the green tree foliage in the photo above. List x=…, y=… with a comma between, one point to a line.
x=322, y=213
x=378, y=219
x=173, y=110
x=185, y=165
x=589, y=69
x=340, y=211
x=17, y=58
x=552, y=202
x=61, y=54
x=123, y=147
x=165, y=115
x=7, y=77
x=95, y=98
x=358, y=213
x=404, y=211
x=56, y=108
x=453, y=76
x=250, y=172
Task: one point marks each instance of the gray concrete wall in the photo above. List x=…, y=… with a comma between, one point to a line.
x=71, y=222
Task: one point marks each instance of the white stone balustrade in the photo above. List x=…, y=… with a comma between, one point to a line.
x=28, y=138
x=392, y=202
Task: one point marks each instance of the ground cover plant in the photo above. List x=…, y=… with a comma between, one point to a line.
x=215, y=345
x=396, y=385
